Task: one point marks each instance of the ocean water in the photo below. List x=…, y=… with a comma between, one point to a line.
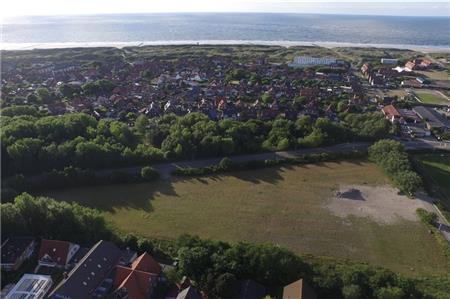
x=224, y=28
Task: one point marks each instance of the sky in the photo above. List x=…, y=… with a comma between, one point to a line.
x=13, y=8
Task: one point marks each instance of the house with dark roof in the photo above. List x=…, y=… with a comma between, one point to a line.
x=247, y=289
x=139, y=280
x=432, y=118
x=15, y=251
x=89, y=273
x=55, y=253
x=189, y=293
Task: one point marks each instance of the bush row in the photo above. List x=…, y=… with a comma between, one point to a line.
x=226, y=164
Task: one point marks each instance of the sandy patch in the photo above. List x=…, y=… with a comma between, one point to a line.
x=382, y=203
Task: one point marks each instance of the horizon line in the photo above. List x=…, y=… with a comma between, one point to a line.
x=221, y=12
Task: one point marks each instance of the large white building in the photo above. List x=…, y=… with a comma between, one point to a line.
x=301, y=61
x=31, y=286
x=389, y=61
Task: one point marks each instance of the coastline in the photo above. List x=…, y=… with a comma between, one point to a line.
x=5, y=46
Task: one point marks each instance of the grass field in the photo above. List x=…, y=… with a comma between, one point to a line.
x=430, y=97
x=279, y=205
x=435, y=75
x=437, y=170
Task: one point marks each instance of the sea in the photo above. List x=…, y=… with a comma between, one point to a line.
x=224, y=28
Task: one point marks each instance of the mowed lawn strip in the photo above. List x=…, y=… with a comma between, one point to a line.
x=437, y=169
x=430, y=97
x=284, y=206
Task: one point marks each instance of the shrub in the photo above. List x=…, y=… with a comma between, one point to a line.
x=225, y=163
x=149, y=173
x=427, y=217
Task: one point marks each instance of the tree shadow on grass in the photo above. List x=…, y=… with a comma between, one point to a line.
x=108, y=198
x=269, y=175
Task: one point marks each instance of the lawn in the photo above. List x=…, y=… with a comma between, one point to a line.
x=436, y=168
x=430, y=97
x=435, y=75
x=279, y=205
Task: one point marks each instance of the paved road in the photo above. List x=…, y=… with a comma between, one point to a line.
x=166, y=168
x=442, y=223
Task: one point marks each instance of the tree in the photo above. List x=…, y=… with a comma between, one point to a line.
x=408, y=181
x=121, y=132
x=389, y=293
x=68, y=90
x=266, y=98
x=25, y=153
x=352, y=292
x=45, y=217
x=316, y=138
x=391, y=156
x=19, y=110
x=283, y=144
x=380, y=149
x=141, y=124
x=43, y=94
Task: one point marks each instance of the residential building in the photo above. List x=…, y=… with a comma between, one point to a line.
x=412, y=83
x=432, y=118
x=389, y=61
x=301, y=61
x=89, y=273
x=139, y=280
x=365, y=69
x=298, y=290
x=410, y=66
x=55, y=253
x=421, y=80
x=30, y=286
x=248, y=289
x=391, y=113
x=416, y=130
x=15, y=251
x=409, y=115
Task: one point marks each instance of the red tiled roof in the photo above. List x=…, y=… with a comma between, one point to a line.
x=137, y=283
x=391, y=111
x=137, y=279
x=145, y=262
x=55, y=249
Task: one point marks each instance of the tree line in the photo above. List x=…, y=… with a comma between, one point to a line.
x=32, y=143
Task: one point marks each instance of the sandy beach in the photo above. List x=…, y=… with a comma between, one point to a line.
x=30, y=46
